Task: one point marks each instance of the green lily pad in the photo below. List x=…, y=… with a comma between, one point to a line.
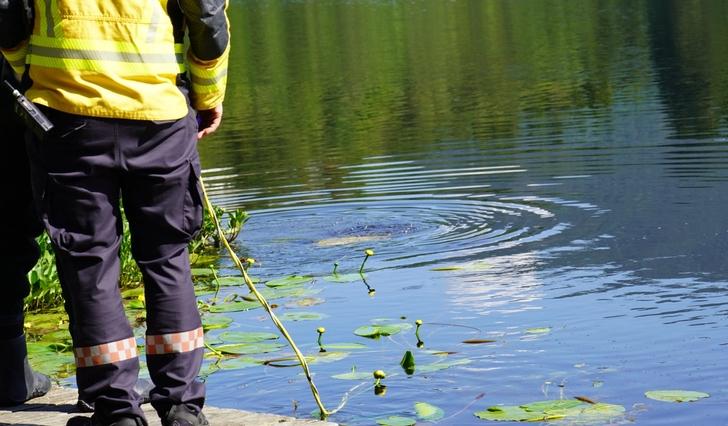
x=136, y=305
x=344, y=346
x=213, y=322
x=538, y=330
x=246, y=336
x=249, y=348
x=131, y=293
x=204, y=291
x=554, y=405
x=507, y=413
x=375, y=330
x=343, y=278
x=675, y=395
x=577, y=412
x=437, y=366
x=197, y=272
x=353, y=375
x=306, y=302
x=349, y=240
x=396, y=421
x=289, y=281
x=326, y=357
x=428, y=412
x=229, y=281
x=302, y=316
x=237, y=306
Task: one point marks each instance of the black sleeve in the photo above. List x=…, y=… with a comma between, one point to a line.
x=16, y=18
x=208, y=27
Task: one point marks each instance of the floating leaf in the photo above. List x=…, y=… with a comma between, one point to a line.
x=344, y=345
x=577, y=411
x=136, y=305
x=428, y=412
x=349, y=240
x=246, y=336
x=344, y=278
x=507, y=413
x=240, y=305
x=470, y=267
x=132, y=293
x=408, y=362
x=429, y=368
x=212, y=322
x=238, y=363
x=553, y=405
x=675, y=395
x=307, y=301
x=289, y=281
x=302, y=316
x=538, y=330
x=396, y=421
x=249, y=348
x=229, y=281
x=203, y=291
x=447, y=268
x=478, y=341
x=197, y=272
x=326, y=357
x=353, y=375
x=374, y=331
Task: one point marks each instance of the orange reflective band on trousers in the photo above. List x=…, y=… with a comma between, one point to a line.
x=174, y=343
x=106, y=353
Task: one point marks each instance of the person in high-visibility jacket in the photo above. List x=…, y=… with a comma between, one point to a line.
x=128, y=106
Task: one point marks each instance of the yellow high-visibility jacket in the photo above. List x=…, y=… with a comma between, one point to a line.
x=123, y=58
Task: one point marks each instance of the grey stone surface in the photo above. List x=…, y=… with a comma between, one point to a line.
x=58, y=406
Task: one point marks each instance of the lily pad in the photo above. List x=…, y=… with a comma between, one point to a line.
x=353, y=375
x=428, y=412
x=212, y=322
x=675, y=395
x=507, y=413
x=437, y=366
x=396, y=421
x=249, y=348
x=326, y=357
x=237, y=306
x=375, y=331
x=575, y=411
x=198, y=272
x=344, y=346
x=302, y=316
x=538, y=330
x=478, y=341
x=343, y=278
x=289, y=281
x=246, y=336
x=349, y=240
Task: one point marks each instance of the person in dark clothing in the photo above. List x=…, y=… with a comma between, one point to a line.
x=18, y=253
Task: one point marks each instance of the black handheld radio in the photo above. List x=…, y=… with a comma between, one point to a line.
x=32, y=116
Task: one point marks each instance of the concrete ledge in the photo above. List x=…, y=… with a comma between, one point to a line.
x=59, y=405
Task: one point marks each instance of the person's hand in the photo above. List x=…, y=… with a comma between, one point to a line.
x=209, y=120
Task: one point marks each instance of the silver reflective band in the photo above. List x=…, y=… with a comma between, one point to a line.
x=200, y=81
x=97, y=55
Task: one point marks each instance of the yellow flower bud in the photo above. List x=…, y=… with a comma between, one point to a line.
x=369, y=252
x=321, y=330
x=379, y=374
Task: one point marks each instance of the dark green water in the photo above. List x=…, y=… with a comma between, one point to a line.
x=570, y=156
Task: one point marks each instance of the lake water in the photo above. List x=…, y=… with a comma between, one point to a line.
x=515, y=165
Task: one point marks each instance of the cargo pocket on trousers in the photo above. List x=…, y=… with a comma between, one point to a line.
x=193, y=200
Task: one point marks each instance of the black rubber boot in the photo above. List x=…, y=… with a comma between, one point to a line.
x=19, y=382
x=180, y=415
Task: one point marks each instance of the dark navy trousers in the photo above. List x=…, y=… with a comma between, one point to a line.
x=20, y=226
x=83, y=172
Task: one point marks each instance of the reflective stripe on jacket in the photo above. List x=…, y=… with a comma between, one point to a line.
x=119, y=58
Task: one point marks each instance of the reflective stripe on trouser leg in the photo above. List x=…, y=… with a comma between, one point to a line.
x=164, y=208
x=76, y=186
